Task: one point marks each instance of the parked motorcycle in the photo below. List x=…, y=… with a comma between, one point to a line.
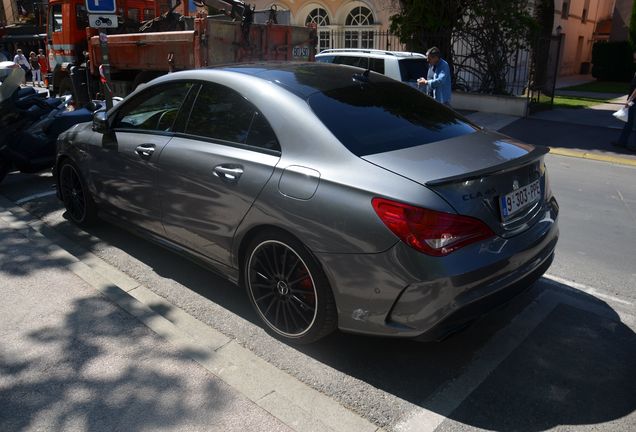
x=30, y=124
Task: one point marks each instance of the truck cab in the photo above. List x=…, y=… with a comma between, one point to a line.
x=67, y=23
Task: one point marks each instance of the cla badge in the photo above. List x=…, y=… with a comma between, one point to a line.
x=515, y=185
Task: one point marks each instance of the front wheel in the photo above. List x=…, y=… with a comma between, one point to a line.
x=80, y=207
x=288, y=288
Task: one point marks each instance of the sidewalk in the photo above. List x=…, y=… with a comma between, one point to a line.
x=572, y=80
x=85, y=347
x=584, y=132
x=71, y=360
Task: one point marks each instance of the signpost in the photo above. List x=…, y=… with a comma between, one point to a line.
x=101, y=16
x=101, y=7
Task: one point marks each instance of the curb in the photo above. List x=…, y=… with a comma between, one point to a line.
x=283, y=396
x=560, y=151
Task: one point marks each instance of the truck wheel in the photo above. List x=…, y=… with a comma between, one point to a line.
x=144, y=77
x=66, y=87
x=5, y=167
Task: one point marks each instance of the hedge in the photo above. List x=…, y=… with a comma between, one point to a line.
x=612, y=61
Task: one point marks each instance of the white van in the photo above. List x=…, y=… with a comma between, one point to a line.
x=399, y=65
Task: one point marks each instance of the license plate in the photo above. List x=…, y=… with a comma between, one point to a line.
x=513, y=202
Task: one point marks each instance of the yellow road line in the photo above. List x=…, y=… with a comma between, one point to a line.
x=593, y=156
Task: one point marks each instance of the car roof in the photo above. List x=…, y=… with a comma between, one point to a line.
x=303, y=78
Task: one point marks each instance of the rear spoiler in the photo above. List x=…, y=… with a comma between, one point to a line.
x=510, y=165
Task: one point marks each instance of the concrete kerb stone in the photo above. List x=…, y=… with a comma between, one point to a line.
x=592, y=156
x=291, y=401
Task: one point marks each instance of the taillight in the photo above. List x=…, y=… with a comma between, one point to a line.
x=429, y=231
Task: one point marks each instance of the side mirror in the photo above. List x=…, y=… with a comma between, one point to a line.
x=100, y=122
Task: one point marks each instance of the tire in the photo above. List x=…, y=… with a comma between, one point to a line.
x=143, y=77
x=5, y=167
x=66, y=87
x=80, y=207
x=288, y=289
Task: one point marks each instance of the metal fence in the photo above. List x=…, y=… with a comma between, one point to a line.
x=477, y=71
x=544, y=72
x=363, y=38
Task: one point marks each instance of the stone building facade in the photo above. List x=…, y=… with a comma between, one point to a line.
x=342, y=23
x=580, y=24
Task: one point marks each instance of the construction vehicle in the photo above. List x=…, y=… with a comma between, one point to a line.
x=171, y=41
x=67, y=21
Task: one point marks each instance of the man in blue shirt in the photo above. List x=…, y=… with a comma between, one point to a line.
x=438, y=79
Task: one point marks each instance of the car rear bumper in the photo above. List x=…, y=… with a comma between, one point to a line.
x=404, y=293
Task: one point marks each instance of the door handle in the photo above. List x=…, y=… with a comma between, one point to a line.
x=228, y=173
x=145, y=150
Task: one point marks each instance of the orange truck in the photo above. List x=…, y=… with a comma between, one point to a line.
x=201, y=41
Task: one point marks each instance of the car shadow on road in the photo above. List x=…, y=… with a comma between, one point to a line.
x=576, y=367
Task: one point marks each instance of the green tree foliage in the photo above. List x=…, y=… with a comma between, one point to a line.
x=493, y=30
x=422, y=23
x=612, y=61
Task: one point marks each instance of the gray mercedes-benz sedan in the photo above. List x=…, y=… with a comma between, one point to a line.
x=337, y=198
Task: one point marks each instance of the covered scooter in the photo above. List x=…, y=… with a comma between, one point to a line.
x=30, y=124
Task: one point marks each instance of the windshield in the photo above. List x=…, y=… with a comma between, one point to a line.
x=370, y=118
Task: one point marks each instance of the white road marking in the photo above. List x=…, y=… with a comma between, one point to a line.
x=449, y=396
x=587, y=289
x=431, y=413
x=35, y=196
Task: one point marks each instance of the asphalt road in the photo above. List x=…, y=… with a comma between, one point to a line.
x=560, y=355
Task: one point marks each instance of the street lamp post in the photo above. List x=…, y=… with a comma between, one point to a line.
x=557, y=33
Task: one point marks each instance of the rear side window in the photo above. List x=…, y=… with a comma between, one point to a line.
x=325, y=59
x=413, y=68
x=261, y=134
x=375, y=64
x=221, y=113
x=384, y=116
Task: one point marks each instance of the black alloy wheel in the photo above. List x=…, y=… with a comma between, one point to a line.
x=79, y=204
x=288, y=289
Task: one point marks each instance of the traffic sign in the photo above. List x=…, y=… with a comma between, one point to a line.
x=102, y=21
x=101, y=6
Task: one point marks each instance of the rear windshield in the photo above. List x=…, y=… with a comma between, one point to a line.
x=413, y=68
x=370, y=118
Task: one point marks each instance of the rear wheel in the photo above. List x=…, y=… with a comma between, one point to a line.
x=288, y=289
x=80, y=207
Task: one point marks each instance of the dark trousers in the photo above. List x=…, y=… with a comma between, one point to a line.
x=629, y=126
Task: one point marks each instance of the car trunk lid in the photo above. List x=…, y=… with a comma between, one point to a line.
x=473, y=172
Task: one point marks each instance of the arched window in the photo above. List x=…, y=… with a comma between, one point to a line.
x=359, y=16
x=318, y=16
x=357, y=37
